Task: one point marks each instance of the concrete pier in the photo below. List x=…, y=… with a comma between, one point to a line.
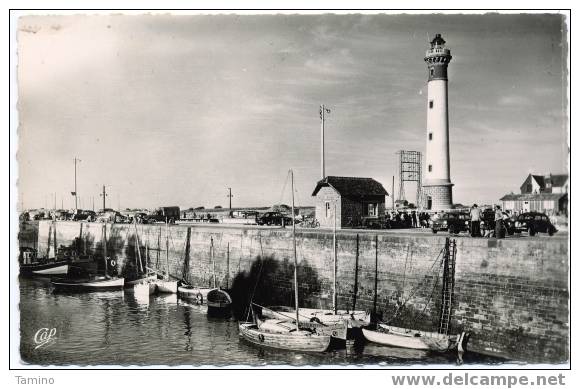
x=511, y=295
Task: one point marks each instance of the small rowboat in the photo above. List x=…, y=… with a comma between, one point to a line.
x=141, y=280
x=277, y=334
x=193, y=294
x=144, y=288
x=218, y=299
x=166, y=286
x=97, y=283
x=219, y=302
x=413, y=339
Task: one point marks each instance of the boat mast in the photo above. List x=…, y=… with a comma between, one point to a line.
x=295, y=256
x=212, y=261
x=334, y=299
x=167, y=248
x=105, y=247
x=138, y=247
x=54, y=240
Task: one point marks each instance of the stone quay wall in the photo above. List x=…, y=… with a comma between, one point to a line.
x=511, y=295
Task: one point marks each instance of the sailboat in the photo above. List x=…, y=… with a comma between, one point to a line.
x=333, y=316
x=439, y=341
x=142, y=276
x=199, y=294
x=92, y=282
x=218, y=300
x=166, y=285
x=285, y=334
x=32, y=265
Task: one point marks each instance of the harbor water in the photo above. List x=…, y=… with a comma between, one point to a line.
x=118, y=328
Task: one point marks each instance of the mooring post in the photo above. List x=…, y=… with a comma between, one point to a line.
x=355, y=291
x=376, y=274
x=228, y=267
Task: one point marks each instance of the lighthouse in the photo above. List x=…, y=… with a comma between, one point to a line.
x=437, y=186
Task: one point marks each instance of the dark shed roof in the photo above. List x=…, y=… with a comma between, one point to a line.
x=352, y=186
x=558, y=179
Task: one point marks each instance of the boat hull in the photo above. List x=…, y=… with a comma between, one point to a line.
x=144, y=288
x=412, y=339
x=284, y=341
x=140, y=280
x=100, y=284
x=46, y=269
x=194, y=294
x=166, y=286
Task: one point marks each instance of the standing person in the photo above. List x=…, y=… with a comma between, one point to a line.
x=475, y=220
x=414, y=218
x=498, y=221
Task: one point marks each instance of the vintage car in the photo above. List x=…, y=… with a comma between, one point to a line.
x=534, y=222
x=274, y=218
x=454, y=222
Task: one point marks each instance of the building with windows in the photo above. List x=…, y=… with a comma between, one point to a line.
x=547, y=194
x=352, y=200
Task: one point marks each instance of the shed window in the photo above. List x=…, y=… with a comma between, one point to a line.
x=430, y=103
x=372, y=209
x=327, y=207
x=430, y=136
x=430, y=168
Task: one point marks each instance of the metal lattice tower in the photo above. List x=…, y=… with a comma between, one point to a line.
x=410, y=171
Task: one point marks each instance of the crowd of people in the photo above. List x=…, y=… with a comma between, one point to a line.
x=407, y=219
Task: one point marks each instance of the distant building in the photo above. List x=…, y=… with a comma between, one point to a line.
x=354, y=198
x=548, y=194
x=551, y=183
x=401, y=203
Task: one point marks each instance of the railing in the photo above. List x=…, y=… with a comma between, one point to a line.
x=437, y=51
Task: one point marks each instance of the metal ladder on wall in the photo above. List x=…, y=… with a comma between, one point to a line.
x=448, y=285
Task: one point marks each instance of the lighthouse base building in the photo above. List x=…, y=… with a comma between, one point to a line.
x=437, y=197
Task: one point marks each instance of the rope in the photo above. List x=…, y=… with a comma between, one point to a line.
x=257, y=278
x=414, y=291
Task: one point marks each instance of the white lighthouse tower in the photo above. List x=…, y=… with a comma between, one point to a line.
x=437, y=186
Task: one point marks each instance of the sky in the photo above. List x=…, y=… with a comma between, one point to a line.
x=173, y=110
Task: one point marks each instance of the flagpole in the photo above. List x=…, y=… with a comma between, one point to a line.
x=323, y=111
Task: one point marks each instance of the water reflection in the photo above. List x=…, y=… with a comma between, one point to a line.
x=118, y=328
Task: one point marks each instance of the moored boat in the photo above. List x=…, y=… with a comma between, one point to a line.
x=287, y=334
x=50, y=265
x=31, y=265
x=166, y=285
x=413, y=339
x=96, y=283
x=324, y=316
x=144, y=289
x=141, y=280
x=92, y=283
x=440, y=341
x=286, y=339
x=193, y=294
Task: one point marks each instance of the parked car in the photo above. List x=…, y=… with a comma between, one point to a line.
x=162, y=214
x=454, y=222
x=274, y=218
x=534, y=222
x=110, y=217
x=61, y=214
x=85, y=215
